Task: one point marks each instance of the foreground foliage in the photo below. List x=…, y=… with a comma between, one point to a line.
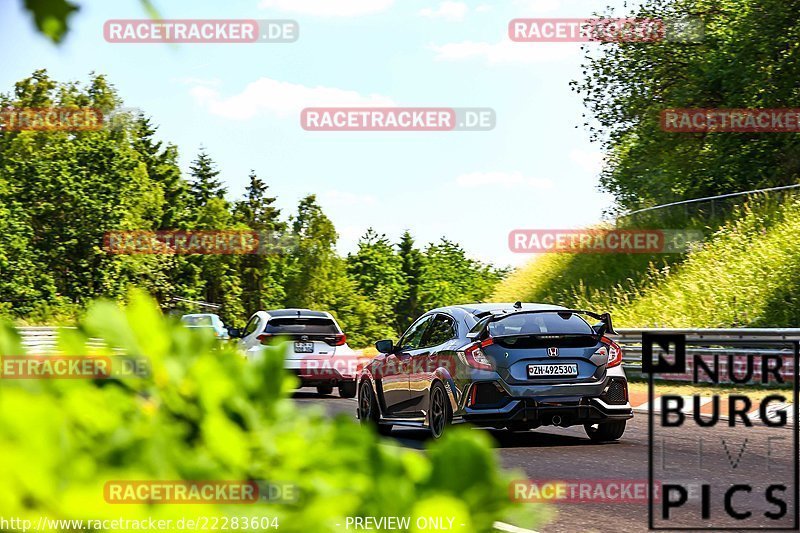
x=204, y=413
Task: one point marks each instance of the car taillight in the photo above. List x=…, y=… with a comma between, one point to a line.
x=474, y=356
x=265, y=338
x=339, y=339
x=612, y=350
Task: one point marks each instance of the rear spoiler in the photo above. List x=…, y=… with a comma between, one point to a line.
x=605, y=326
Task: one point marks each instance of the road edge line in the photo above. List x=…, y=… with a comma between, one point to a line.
x=508, y=528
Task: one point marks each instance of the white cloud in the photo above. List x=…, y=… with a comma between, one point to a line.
x=505, y=52
x=328, y=8
x=483, y=8
x=447, y=10
x=590, y=161
x=501, y=179
x=281, y=98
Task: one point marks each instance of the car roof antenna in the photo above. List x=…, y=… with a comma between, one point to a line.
x=517, y=305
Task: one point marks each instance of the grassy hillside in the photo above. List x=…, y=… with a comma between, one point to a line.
x=747, y=273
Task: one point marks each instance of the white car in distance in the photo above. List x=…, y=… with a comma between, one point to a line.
x=316, y=347
x=207, y=321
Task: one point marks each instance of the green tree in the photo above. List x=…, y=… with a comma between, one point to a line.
x=449, y=277
x=377, y=272
x=161, y=162
x=747, y=58
x=262, y=274
x=219, y=280
x=317, y=278
x=408, y=307
x=314, y=268
x=205, y=184
x=62, y=191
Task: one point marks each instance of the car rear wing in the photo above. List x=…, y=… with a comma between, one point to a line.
x=605, y=325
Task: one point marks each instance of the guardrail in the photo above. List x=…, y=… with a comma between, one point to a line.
x=42, y=340
x=714, y=341
x=712, y=199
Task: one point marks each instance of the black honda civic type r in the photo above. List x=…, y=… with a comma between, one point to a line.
x=516, y=366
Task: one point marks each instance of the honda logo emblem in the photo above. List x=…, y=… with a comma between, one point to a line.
x=552, y=352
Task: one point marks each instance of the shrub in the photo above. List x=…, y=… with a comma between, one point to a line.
x=204, y=413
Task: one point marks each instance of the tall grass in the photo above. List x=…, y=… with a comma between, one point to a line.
x=746, y=273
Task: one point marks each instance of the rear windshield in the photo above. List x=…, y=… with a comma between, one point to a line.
x=197, y=320
x=301, y=325
x=540, y=324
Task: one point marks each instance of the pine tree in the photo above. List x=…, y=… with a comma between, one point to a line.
x=408, y=307
x=162, y=168
x=257, y=209
x=205, y=184
x=262, y=274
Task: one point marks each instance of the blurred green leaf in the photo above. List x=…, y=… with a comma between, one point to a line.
x=50, y=16
x=207, y=413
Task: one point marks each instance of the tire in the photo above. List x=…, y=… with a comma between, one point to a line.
x=605, y=432
x=347, y=389
x=439, y=414
x=368, y=409
x=325, y=389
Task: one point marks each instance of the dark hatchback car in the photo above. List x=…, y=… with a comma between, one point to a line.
x=516, y=366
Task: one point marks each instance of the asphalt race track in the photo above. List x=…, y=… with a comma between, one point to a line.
x=567, y=454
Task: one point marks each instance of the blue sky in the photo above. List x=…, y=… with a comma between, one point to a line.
x=536, y=169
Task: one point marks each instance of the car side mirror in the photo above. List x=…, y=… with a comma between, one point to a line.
x=385, y=346
x=234, y=333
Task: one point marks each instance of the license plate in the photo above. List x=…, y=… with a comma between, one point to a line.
x=304, y=347
x=536, y=371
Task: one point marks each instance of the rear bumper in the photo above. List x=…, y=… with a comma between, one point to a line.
x=566, y=405
x=534, y=413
